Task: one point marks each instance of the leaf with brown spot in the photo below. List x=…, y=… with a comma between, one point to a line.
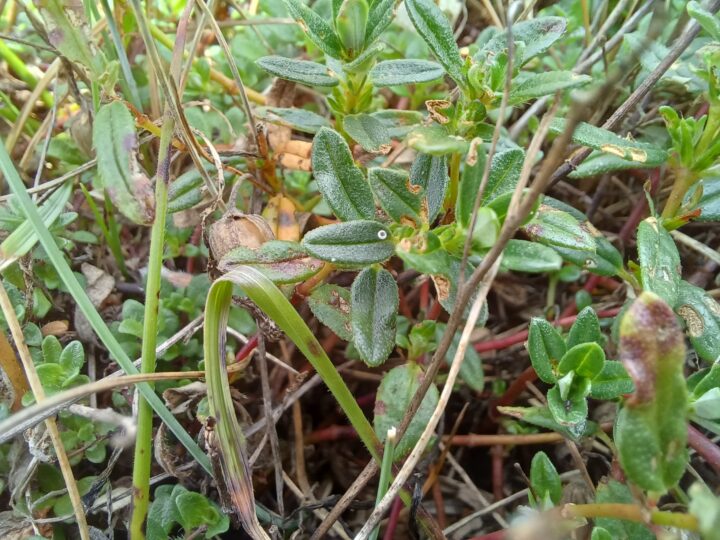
x=701, y=314
x=651, y=428
x=116, y=144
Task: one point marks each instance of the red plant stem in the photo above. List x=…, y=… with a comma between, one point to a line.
x=246, y=349
x=503, y=343
x=393, y=519
x=439, y=505
x=497, y=453
x=704, y=447
x=434, y=312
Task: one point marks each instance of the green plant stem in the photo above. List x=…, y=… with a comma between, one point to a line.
x=20, y=69
x=683, y=181
x=143, y=441
x=451, y=196
x=385, y=473
x=631, y=512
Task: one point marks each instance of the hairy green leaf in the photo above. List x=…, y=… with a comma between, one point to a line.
x=300, y=71
x=434, y=28
x=368, y=131
x=352, y=243
x=374, y=314
x=543, y=84
x=660, y=270
x=315, y=27
x=546, y=348
x=400, y=199
x=701, y=314
x=524, y=256
x=396, y=390
x=397, y=72
x=331, y=306
x=341, y=182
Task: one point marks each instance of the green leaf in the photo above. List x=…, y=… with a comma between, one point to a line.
x=709, y=202
x=585, y=359
x=612, y=491
x=195, y=510
x=585, y=329
x=431, y=173
x=397, y=72
x=115, y=142
x=606, y=261
x=396, y=390
x=598, y=163
x=606, y=141
x=374, y=314
x=707, y=406
x=51, y=349
x=502, y=179
x=598, y=533
x=331, y=306
x=341, y=182
x=398, y=123
x=292, y=117
x=163, y=510
x=543, y=84
x=504, y=173
x=69, y=32
x=546, y=348
x=701, y=314
x=705, y=506
x=300, y=71
x=350, y=24
x=524, y=256
x=545, y=480
x=433, y=26
x=380, y=16
x=72, y=358
x=558, y=228
x=537, y=35
x=23, y=239
x=570, y=412
x=352, y=243
x=436, y=140
x=315, y=27
x=400, y=199
x=279, y=260
x=612, y=382
x=368, y=131
x=660, y=270
x=542, y=417
x=651, y=427
x=707, y=20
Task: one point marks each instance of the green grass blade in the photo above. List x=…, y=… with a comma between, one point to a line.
x=83, y=302
x=22, y=239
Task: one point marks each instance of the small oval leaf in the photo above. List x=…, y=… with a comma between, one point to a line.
x=300, y=71
x=352, y=243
